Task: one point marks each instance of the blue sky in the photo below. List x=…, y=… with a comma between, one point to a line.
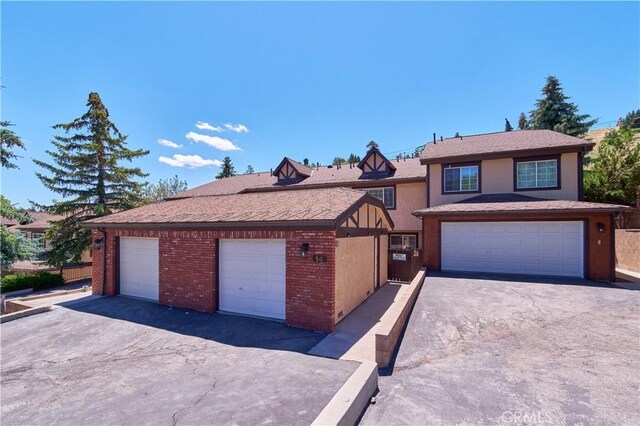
x=306, y=80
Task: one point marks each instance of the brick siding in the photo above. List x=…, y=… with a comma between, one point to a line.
x=599, y=258
x=187, y=276
x=628, y=249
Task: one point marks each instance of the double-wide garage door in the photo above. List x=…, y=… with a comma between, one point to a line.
x=252, y=277
x=535, y=248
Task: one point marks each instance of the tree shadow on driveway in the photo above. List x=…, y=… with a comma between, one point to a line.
x=222, y=328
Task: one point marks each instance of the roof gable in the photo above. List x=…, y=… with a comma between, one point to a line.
x=289, y=171
x=375, y=165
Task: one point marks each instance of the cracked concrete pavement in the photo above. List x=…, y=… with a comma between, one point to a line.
x=124, y=361
x=499, y=350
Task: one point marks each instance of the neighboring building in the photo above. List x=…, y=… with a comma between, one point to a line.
x=307, y=257
x=511, y=202
x=36, y=229
x=399, y=183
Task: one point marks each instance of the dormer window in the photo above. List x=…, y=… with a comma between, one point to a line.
x=290, y=171
x=374, y=165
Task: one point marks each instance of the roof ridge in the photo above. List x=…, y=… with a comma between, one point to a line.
x=491, y=133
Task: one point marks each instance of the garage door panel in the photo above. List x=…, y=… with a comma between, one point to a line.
x=139, y=267
x=548, y=248
x=252, y=277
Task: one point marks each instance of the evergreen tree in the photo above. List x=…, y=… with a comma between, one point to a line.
x=338, y=160
x=249, y=170
x=507, y=126
x=353, y=159
x=523, y=124
x=457, y=135
x=8, y=142
x=305, y=161
x=418, y=151
x=612, y=174
x=164, y=189
x=373, y=144
x=227, y=169
x=627, y=121
x=87, y=173
x=555, y=112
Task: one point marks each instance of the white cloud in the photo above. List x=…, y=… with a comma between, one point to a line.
x=191, y=161
x=238, y=128
x=206, y=126
x=215, y=141
x=170, y=144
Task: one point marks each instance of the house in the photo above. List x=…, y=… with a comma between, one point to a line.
x=512, y=202
x=36, y=229
x=307, y=257
x=399, y=183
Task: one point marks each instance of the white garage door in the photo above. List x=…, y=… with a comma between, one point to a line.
x=139, y=267
x=536, y=248
x=252, y=277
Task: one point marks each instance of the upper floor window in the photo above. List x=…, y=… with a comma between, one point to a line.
x=386, y=195
x=38, y=239
x=537, y=174
x=461, y=178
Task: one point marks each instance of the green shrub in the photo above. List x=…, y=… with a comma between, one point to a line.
x=39, y=281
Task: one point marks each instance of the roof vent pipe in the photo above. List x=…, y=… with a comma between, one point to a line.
x=271, y=172
x=434, y=138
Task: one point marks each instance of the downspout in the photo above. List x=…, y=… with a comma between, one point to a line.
x=104, y=259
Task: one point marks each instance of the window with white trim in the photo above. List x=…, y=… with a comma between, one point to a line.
x=461, y=179
x=386, y=195
x=537, y=174
x=403, y=242
x=38, y=239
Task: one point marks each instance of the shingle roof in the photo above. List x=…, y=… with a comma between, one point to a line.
x=40, y=221
x=320, y=177
x=515, y=203
x=321, y=206
x=504, y=142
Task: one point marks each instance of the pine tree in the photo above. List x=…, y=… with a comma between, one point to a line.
x=227, y=169
x=249, y=170
x=8, y=141
x=418, y=151
x=523, y=124
x=457, y=135
x=373, y=144
x=555, y=112
x=507, y=126
x=353, y=159
x=338, y=161
x=86, y=172
x=305, y=161
x=628, y=120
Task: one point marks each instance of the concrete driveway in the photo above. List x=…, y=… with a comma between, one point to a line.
x=493, y=350
x=124, y=361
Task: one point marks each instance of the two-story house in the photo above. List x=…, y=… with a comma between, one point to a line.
x=511, y=202
x=399, y=183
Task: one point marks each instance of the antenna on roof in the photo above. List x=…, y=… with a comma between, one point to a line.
x=434, y=138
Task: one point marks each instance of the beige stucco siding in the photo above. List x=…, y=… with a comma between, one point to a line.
x=409, y=198
x=384, y=259
x=497, y=178
x=354, y=273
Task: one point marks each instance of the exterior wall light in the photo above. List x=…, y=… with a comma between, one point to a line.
x=304, y=250
x=97, y=243
x=600, y=227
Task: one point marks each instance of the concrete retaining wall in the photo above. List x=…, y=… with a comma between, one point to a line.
x=393, y=321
